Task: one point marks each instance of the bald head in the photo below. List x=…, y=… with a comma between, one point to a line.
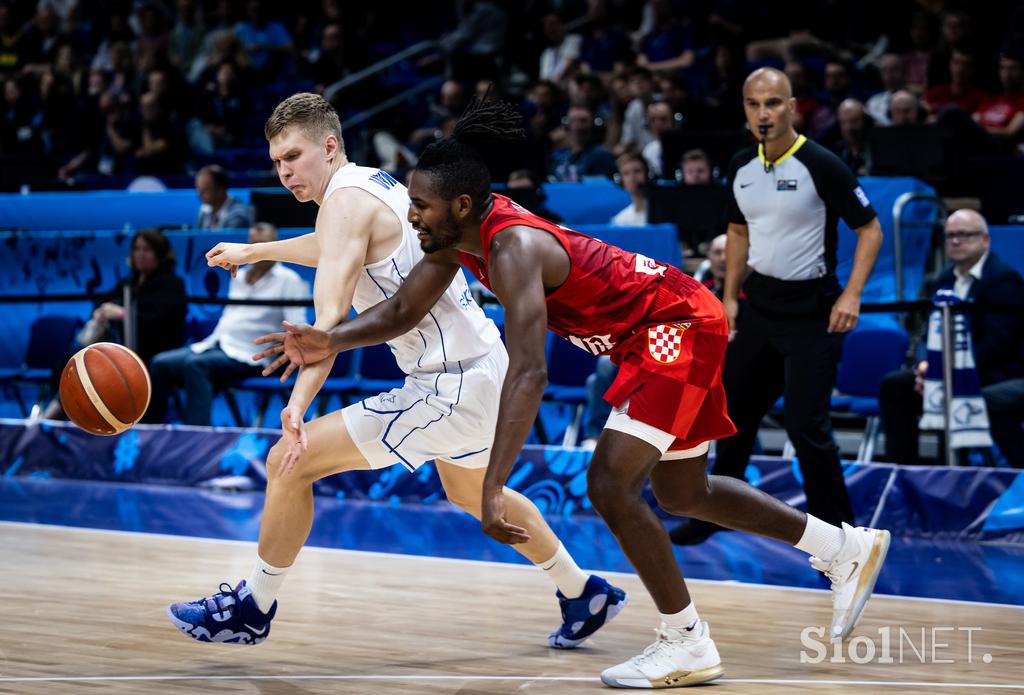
x=903, y=108
x=768, y=79
x=770, y=108
x=967, y=238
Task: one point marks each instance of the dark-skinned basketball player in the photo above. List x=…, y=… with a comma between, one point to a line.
x=668, y=335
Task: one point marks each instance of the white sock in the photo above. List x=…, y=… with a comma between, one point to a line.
x=565, y=573
x=264, y=582
x=683, y=620
x=822, y=540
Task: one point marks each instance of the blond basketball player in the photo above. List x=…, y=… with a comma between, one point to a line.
x=363, y=249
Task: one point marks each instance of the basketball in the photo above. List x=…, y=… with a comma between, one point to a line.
x=105, y=388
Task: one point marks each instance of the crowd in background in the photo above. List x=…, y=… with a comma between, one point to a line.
x=164, y=88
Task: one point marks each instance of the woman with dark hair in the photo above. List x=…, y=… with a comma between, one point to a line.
x=160, y=306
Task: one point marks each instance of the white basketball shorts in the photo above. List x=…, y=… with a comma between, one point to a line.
x=449, y=415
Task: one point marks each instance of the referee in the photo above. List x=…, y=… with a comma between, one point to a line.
x=788, y=194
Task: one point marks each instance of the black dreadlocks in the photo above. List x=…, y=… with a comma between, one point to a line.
x=455, y=164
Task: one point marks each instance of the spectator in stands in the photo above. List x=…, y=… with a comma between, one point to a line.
x=955, y=29
x=1004, y=115
x=222, y=110
x=669, y=45
x=605, y=48
x=151, y=45
x=16, y=50
x=545, y=109
x=560, y=60
x=225, y=356
x=186, y=38
x=695, y=168
x=18, y=134
x=634, y=125
x=159, y=296
x=806, y=104
x=688, y=112
x=119, y=134
x=479, y=36
x=904, y=109
x=714, y=278
x=452, y=99
x=589, y=91
x=633, y=177
x=660, y=120
x=960, y=91
x=583, y=156
x=890, y=69
x=854, y=129
x=526, y=180
x=267, y=41
x=117, y=32
x=160, y=147
x=44, y=37
x=915, y=61
x=978, y=276
x=724, y=85
x=330, y=63
x=837, y=88
x=619, y=97
x=218, y=209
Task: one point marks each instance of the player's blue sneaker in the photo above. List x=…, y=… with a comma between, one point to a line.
x=583, y=616
x=231, y=615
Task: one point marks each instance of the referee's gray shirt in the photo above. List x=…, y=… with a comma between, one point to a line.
x=792, y=211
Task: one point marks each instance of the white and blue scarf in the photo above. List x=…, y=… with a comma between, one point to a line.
x=968, y=416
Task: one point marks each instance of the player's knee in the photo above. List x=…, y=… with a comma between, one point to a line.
x=681, y=500
x=275, y=457
x=606, y=492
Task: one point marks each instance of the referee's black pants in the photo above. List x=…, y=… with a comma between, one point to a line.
x=795, y=357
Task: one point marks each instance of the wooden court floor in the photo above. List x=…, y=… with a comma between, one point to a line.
x=82, y=611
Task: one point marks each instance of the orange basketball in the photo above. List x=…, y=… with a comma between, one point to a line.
x=105, y=388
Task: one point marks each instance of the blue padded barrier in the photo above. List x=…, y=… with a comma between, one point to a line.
x=920, y=501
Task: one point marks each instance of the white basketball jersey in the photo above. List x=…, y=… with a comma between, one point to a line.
x=455, y=329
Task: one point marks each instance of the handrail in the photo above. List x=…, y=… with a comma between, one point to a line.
x=391, y=102
x=897, y=235
x=344, y=83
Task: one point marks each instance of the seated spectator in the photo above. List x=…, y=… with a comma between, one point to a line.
x=267, y=41
x=960, y=91
x=525, y=180
x=854, y=128
x=619, y=97
x=837, y=89
x=806, y=105
x=159, y=307
x=978, y=276
x=225, y=356
x=904, y=109
x=633, y=178
x=669, y=45
x=120, y=130
x=545, y=108
x=1004, y=115
x=18, y=133
x=218, y=209
x=160, y=147
x=634, y=125
x=479, y=36
x=714, y=276
x=222, y=110
x=660, y=120
x=330, y=62
x=560, y=60
x=589, y=91
x=186, y=37
x=452, y=100
x=695, y=168
x=915, y=60
x=605, y=48
x=890, y=69
x=583, y=156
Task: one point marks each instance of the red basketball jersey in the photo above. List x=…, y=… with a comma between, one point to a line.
x=608, y=291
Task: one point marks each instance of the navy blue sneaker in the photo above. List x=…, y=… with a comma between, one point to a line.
x=583, y=616
x=228, y=616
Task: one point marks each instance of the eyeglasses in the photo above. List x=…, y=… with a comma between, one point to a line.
x=962, y=236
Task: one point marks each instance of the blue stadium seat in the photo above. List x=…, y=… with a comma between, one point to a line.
x=568, y=369
x=868, y=355
x=378, y=370
x=50, y=338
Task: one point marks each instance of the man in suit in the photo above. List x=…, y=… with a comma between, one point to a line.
x=978, y=276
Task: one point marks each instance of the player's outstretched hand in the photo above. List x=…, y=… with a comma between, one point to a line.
x=297, y=346
x=294, y=437
x=229, y=256
x=492, y=520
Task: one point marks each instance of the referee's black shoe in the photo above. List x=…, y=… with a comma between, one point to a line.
x=693, y=532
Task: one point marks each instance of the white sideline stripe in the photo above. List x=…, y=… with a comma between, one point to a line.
x=465, y=679
x=509, y=565
x=94, y=397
